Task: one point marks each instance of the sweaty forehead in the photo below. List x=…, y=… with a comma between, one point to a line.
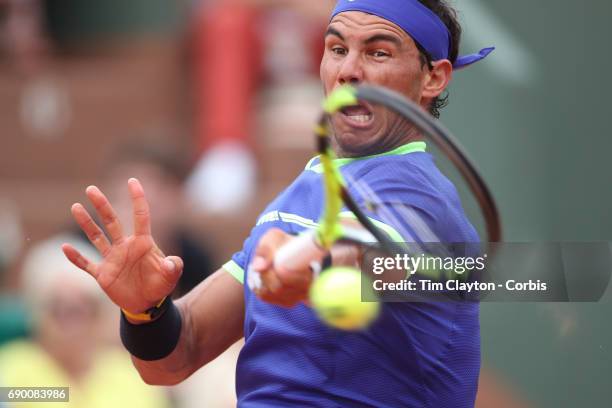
x=358, y=23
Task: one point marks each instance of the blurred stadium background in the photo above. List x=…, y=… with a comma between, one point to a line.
x=81, y=80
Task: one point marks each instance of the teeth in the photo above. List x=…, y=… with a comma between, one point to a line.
x=361, y=118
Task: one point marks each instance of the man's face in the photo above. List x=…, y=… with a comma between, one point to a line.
x=363, y=48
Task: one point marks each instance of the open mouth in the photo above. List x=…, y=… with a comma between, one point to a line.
x=360, y=115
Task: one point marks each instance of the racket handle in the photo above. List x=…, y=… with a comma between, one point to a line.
x=301, y=252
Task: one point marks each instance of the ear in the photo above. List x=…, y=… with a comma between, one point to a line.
x=437, y=79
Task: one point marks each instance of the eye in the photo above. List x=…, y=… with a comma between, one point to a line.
x=380, y=54
x=338, y=50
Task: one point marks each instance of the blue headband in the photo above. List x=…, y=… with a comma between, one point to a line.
x=422, y=24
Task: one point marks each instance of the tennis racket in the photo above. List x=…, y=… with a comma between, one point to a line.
x=316, y=243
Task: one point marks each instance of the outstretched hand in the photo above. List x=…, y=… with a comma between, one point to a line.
x=134, y=272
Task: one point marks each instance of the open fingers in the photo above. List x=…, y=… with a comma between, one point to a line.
x=142, y=218
x=106, y=212
x=91, y=229
x=79, y=260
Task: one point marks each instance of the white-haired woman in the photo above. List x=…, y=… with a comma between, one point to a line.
x=68, y=346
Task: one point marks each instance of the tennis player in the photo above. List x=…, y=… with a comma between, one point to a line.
x=414, y=355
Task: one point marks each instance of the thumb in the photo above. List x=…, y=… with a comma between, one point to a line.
x=172, y=266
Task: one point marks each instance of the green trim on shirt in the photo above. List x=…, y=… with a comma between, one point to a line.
x=235, y=270
x=413, y=147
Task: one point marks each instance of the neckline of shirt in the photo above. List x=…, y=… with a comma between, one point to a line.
x=412, y=147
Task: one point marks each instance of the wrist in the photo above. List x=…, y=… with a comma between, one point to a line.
x=156, y=339
x=149, y=315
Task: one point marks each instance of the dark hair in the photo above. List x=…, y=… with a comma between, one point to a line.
x=448, y=15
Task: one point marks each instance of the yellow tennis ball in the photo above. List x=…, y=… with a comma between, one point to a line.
x=336, y=298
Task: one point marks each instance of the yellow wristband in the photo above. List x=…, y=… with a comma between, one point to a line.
x=149, y=314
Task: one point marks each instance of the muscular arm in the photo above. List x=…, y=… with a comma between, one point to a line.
x=213, y=316
x=135, y=274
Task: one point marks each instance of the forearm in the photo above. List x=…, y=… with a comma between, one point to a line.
x=178, y=365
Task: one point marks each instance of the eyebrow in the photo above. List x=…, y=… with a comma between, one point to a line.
x=384, y=37
x=373, y=39
x=333, y=31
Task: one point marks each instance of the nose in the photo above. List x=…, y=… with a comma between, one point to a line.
x=351, y=71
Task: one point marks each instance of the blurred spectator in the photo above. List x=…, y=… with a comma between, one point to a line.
x=213, y=385
x=13, y=318
x=13, y=321
x=161, y=170
x=238, y=45
x=66, y=307
x=22, y=33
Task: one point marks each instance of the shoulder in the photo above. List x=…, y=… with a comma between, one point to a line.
x=401, y=168
x=413, y=191
x=411, y=179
